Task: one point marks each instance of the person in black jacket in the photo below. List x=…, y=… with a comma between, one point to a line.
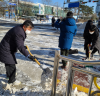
x=86, y=30
x=13, y=41
x=53, y=21
x=92, y=37
x=86, y=35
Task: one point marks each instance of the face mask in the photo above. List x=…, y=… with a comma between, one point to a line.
x=28, y=32
x=91, y=32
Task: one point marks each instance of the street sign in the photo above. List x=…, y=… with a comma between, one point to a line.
x=75, y=4
x=12, y=4
x=6, y=10
x=7, y=14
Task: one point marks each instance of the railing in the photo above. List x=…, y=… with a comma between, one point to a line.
x=71, y=72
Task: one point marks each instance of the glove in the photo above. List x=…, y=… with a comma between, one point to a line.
x=58, y=20
x=64, y=19
x=25, y=47
x=92, y=47
x=90, y=51
x=32, y=57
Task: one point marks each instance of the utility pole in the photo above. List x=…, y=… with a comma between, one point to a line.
x=56, y=6
x=63, y=7
x=57, y=9
x=17, y=9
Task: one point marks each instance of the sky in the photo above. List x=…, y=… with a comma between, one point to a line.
x=60, y=2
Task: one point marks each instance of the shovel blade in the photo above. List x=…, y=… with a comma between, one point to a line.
x=47, y=71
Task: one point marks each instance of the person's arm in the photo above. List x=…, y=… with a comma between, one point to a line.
x=19, y=39
x=57, y=24
x=75, y=31
x=93, y=44
x=20, y=45
x=96, y=35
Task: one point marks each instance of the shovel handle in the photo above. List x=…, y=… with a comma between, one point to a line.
x=32, y=55
x=37, y=61
x=29, y=51
x=89, y=51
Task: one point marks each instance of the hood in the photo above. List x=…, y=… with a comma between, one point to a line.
x=70, y=21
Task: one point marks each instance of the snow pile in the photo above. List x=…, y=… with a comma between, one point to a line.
x=23, y=89
x=46, y=80
x=61, y=88
x=76, y=93
x=20, y=21
x=37, y=89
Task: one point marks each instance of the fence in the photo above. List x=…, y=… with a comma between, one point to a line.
x=71, y=72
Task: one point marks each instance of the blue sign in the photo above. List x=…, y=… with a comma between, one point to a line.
x=7, y=14
x=71, y=5
x=12, y=4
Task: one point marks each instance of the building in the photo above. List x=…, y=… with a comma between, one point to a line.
x=41, y=10
x=32, y=9
x=98, y=8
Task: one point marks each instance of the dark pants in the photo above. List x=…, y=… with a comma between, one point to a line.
x=64, y=52
x=87, y=52
x=94, y=51
x=86, y=46
x=10, y=72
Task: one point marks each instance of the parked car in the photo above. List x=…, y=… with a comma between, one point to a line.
x=32, y=18
x=43, y=19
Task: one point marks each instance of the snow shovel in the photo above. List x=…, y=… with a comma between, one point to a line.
x=45, y=71
x=89, y=55
x=89, y=51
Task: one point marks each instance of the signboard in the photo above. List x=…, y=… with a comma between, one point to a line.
x=7, y=14
x=6, y=10
x=12, y=4
x=75, y=4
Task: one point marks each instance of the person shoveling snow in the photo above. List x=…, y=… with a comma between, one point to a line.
x=94, y=39
x=13, y=41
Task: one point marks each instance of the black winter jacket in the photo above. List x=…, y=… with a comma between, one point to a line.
x=94, y=39
x=12, y=41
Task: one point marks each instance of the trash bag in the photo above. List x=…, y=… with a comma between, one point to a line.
x=73, y=51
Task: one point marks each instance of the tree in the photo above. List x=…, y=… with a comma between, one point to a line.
x=26, y=8
x=47, y=2
x=3, y=6
x=94, y=17
x=86, y=10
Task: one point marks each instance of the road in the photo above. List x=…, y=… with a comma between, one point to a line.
x=11, y=23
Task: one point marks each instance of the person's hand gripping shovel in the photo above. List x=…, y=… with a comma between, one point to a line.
x=33, y=58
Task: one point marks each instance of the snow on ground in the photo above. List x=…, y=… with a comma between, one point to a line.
x=7, y=19
x=42, y=22
x=42, y=44
x=34, y=22
x=20, y=21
